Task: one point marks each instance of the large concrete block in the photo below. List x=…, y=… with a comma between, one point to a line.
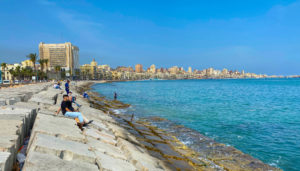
x=139, y=156
x=10, y=101
x=36, y=161
x=28, y=115
x=41, y=100
x=106, y=148
x=58, y=126
x=106, y=162
x=11, y=135
x=100, y=135
x=6, y=161
x=66, y=149
x=100, y=126
x=27, y=105
x=2, y=102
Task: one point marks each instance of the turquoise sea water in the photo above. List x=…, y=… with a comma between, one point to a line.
x=257, y=116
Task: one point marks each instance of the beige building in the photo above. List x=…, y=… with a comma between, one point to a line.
x=174, y=70
x=104, y=67
x=152, y=69
x=6, y=71
x=124, y=69
x=190, y=70
x=89, y=71
x=64, y=55
x=27, y=63
x=139, y=68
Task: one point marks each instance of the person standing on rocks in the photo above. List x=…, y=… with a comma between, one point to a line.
x=67, y=86
x=115, y=96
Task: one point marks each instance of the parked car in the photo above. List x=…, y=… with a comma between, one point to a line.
x=16, y=81
x=6, y=82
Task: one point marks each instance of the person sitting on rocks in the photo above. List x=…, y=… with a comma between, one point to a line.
x=56, y=86
x=85, y=95
x=73, y=99
x=68, y=110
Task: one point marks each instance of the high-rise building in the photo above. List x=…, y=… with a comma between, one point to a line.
x=174, y=70
x=64, y=55
x=190, y=70
x=139, y=68
x=209, y=71
x=225, y=71
x=152, y=69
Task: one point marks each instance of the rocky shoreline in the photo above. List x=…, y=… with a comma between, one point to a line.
x=211, y=154
x=112, y=142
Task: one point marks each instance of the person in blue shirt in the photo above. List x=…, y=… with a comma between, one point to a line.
x=85, y=95
x=67, y=86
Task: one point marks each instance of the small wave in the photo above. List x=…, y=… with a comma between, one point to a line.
x=119, y=111
x=239, y=137
x=275, y=162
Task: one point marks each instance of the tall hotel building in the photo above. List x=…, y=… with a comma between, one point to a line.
x=64, y=55
x=138, y=68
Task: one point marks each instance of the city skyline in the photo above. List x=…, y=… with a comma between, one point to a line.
x=259, y=37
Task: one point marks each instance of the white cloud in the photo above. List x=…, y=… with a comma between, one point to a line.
x=80, y=25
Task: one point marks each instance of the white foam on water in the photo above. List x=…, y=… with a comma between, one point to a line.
x=119, y=111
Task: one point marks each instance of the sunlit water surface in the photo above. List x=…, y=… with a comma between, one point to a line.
x=257, y=116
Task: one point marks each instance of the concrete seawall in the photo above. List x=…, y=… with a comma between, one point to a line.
x=56, y=143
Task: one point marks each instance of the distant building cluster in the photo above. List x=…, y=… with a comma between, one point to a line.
x=94, y=71
x=60, y=61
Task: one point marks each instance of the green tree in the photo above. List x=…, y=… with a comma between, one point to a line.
x=26, y=73
x=13, y=73
x=18, y=72
x=3, y=67
x=42, y=62
x=46, y=64
x=33, y=57
x=57, y=69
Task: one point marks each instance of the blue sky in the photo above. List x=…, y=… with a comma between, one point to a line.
x=261, y=36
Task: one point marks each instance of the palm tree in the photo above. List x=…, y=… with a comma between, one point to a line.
x=33, y=58
x=46, y=63
x=12, y=73
x=18, y=72
x=42, y=62
x=57, y=69
x=3, y=66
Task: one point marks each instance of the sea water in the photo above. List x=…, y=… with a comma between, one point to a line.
x=260, y=117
